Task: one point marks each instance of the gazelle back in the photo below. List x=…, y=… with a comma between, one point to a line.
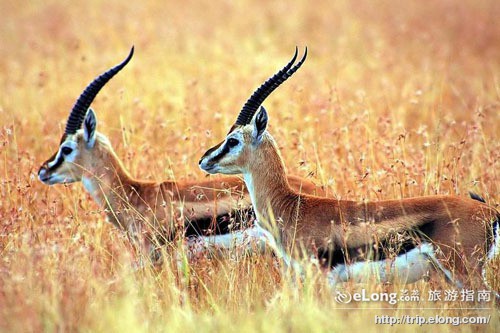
x=342, y=230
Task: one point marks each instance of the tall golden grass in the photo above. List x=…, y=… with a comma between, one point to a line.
x=395, y=100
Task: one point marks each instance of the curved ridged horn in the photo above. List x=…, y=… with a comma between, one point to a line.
x=259, y=95
x=83, y=102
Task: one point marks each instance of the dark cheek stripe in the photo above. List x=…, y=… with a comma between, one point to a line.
x=224, y=151
x=214, y=148
x=208, y=152
x=59, y=161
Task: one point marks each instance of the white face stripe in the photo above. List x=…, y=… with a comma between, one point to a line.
x=218, y=151
x=54, y=161
x=237, y=135
x=223, y=159
x=68, y=158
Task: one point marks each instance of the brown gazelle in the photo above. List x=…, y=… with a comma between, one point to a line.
x=159, y=211
x=343, y=233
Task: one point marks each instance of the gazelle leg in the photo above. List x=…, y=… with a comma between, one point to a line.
x=254, y=238
x=246, y=240
x=441, y=270
x=278, y=250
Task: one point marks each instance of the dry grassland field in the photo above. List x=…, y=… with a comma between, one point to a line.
x=396, y=99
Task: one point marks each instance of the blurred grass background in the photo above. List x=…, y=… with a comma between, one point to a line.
x=395, y=100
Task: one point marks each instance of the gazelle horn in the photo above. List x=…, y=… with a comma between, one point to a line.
x=83, y=102
x=259, y=95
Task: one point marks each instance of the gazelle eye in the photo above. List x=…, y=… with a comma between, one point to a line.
x=66, y=150
x=232, y=142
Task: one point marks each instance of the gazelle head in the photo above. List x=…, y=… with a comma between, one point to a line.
x=241, y=145
x=248, y=134
x=78, y=147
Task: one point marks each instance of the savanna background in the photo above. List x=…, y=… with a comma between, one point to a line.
x=396, y=99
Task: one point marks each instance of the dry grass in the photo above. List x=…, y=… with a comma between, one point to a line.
x=395, y=100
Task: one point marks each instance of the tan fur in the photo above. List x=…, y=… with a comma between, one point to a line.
x=459, y=226
x=154, y=208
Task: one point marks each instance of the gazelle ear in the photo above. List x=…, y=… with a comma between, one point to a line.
x=89, y=128
x=259, y=124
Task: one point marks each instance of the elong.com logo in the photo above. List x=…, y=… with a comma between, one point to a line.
x=345, y=297
x=405, y=295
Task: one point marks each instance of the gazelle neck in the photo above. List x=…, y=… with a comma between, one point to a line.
x=266, y=181
x=107, y=181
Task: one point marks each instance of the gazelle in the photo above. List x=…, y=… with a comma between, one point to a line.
x=159, y=210
x=341, y=231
